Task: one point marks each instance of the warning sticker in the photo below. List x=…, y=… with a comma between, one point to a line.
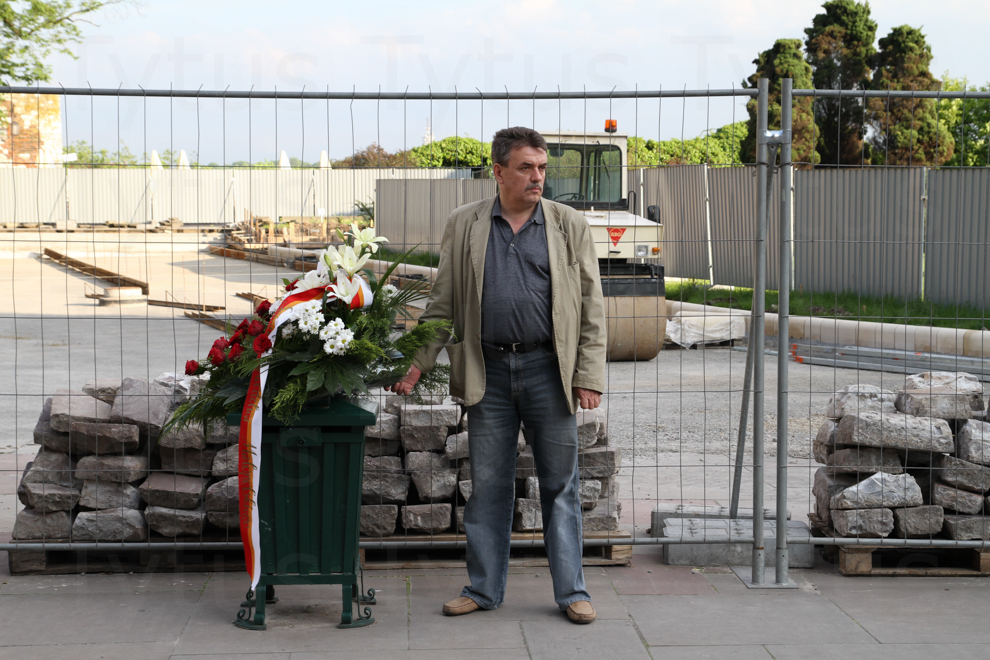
x=615, y=233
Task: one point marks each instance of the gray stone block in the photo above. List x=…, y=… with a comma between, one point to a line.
x=46, y=498
x=378, y=447
x=918, y=522
x=859, y=399
x=146, y=405
x=528, y=517
x=941, y=403
x=824, y=442
x=896, y=431
x=221, y=434
x=951, y=381
x=430, y=415
x=967, y=528
x=465, y=488
x=70, y=406
x=423, y=438
x=880, y=490
x=589, y=490
x=174, y=491
x=432, y=475
x=384, y=481
x=393, y=404
x=104, y=389
x=48, y=437
x=533, y=488
x=827, y=485
x=92, y=438
x=459, y=515
x=109, y=495
x=603, y=518
x=110, y=525
x=525, y=464
x=122, y=469
x=864, y=461
x=190, y=436
x=378, y=520
x=599, y=462
x=955, y=499
x=427, y=518
x=731, y=554
x=175, y=522
x=53, y=467
x=225, y=463
x=224, y=519
x=180, y=386
x=456, y=446
x=464, y=469
x=591, y=427
x=871, y=523
x=194, y=462
x=957, y=472
x=31, y=525
x=386, y=428
x=973, y=442
x=223, y=497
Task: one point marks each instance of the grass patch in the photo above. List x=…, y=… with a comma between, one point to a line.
x=416, y=258
x=847, y=305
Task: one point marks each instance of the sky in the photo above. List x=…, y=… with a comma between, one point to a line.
x=441, y=45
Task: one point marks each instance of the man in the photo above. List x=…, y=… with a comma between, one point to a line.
x=518, y=277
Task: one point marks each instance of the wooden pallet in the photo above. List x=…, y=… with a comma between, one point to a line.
x=891, y=561
x=155, y=560
x=608, y=555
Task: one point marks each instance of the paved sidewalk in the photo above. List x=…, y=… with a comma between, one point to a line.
x=645, y=611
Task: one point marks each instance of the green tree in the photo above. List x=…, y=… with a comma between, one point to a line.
x=454, y=151
x=641, y=153
x=86, y=156
x=839, y=47
x=30, y=30
x=906, y=131
x=374, y=155
x=717, y=147
x=968, y=122
x=784, y=60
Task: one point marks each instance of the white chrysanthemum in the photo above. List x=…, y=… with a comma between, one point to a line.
x=388, y=290
x=288, y=329
x=336, y=324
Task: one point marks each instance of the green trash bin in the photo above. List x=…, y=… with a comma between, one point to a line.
x=309, y=503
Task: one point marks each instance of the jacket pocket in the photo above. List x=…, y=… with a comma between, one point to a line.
x=455, y=353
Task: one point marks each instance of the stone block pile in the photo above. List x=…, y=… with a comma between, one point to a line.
x=417, y=475
x=105, y=473
x=908, y=464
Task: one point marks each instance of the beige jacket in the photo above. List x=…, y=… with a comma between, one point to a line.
x=578, y=309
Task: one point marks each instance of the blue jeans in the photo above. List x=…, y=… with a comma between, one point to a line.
x=525, y=388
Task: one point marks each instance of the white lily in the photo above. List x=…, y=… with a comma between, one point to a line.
x=363, y=237
x=328, y=261
x=350, y=261
x=345, y=287
x=311, y=280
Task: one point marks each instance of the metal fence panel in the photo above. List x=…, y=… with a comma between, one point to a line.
x=732, y=194
x=859, y=230
x=679, y=191
x=413, y=212
x=957, y=269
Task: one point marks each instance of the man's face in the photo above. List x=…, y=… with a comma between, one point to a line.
x=521, y=180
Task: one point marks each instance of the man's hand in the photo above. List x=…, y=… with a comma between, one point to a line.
x=406, y=385
x=589, y=399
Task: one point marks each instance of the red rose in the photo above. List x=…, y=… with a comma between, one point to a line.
x=216, y=356
x=243, y=325
x=237, y=337
x=256, y=328
x=192, y=368
x=261, y=344
x=235, y=352
x=221, y=344
x=263, y=308
x=291, y=285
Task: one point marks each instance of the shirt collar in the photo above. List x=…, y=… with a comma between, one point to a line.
x=537, y=216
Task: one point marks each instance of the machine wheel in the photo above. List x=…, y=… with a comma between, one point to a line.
x=636, y=327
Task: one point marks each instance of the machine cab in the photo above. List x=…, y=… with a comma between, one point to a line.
x=586, y=169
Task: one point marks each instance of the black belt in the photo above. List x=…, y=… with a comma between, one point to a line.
x=520, y=347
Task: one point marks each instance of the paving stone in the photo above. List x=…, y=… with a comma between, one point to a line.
x=599, y=462
x=190, y=436
x=532, y=488
x=459, y=515
x=179, y=491
x=384, y=481
x=224, y=519
x=824, y=442
x=386, y=428
x=103, y=438
x=104, y=389
x=918, y=522
x=610, y=488
x=423, y=438
x=590, y=427
x=464, y=469
x=175, y=522
x=957, y=472
x=194, y=462
x=702, y=552
x=46, y=436
x=226, y=461
x=109, y=495
x=21, y=490
x=967, y=528
x=393, y=404
x=858, y=399
x=944, y=404
x=465, y=488
x=180, y=386
x=53, y=467
x=31, y=525
x=955, y=499
x=378, y=520
x=603, y=518
x=589, y=490
x=221, y=434
x=122, y=469
x=430, y=415
x=973, y=442
x=432, y=475
x=456, y=446
x=70, y=406
x=896, y=431
x=959, y=382
x=528, y=516
x=463, y=426
x=46, y=497
x=109, y=525
x=377, y=447
x=865, y=460
x=521, y=442
x=428, y=518
x=827, y=485
x=223, y=497
x=879, y=491
x=871, y=523
x=525, y=464
x=144, y=404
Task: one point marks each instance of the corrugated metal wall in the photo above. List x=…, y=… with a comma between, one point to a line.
x=30, y=196
x=414, y=212
x=679, y=191
x=732, y=193
x=957, y=245
x=859, y=230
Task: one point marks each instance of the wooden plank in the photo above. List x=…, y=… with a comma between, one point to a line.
x=253, y=297
x=211, y=321
x=185, y=305
x=99, y=273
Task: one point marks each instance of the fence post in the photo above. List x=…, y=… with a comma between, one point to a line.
x=757, y=331
x=783, y=328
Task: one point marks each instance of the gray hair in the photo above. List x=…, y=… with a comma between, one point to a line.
x=508, y=139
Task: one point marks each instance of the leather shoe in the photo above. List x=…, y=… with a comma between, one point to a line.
x=459, y=606
x=581, y=611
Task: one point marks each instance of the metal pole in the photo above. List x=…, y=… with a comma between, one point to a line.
x=783, y=328
x=757, y=331
x=743, y=418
